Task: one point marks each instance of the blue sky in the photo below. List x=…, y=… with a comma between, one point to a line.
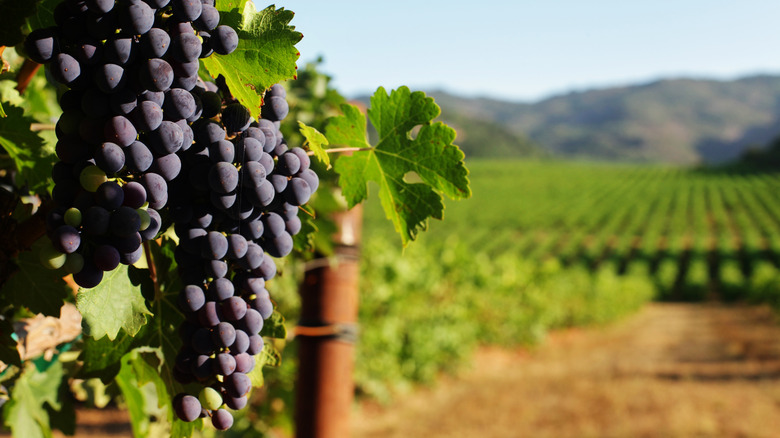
x=527, y=50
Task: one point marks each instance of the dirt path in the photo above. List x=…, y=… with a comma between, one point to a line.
x=673, y=370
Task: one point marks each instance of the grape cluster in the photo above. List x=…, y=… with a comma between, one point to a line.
x=143, y=142
x=132, y=71
x=239, y=200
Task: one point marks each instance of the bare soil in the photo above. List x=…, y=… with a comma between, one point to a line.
x=673, y=370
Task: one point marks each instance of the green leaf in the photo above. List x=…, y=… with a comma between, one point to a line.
x=32, y=157
x=399, y=156
x=44, y=14
x=2, y=111
x=266, y=52
x=316, y=141
x=39, y=289
x=102, y=357
x=273, y=327
x=113, y=305
x=147, y=395
x=25, y=412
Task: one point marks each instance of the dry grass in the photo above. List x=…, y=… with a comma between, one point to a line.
x=674, y=370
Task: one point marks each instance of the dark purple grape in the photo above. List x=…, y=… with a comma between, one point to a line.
x=89, y=276
x=274, y=225
x=71, y=150
x=252, y=321
x=262, y=303
x=221, y=419
x=168, y=166
x=129, y=258
x=236, y=117
x=240, y=344
x=248, y=150
x=224, y=364
x=125, y=221
x=253, y=258
x=119, y=50
x=147, y=116
x=157, y=97
x=236, y=403
x=223, y=177
x=66, y=239
x=222, y=150
x=187, y=135
x=179, y=103
x=186, y=10
x=103, y=26
x=311, y=178
x=41, y=45
x=221, y=289
x=95, y=221
x=275, y=108
x=303, y=157
x=234, y=308
x=110, y=78
x=156, y=190
x=156, y=75
x=109, y=195
x=187, y=407
x=110, y=158
x=137, y=18
x=297, y=192
x=166, y=139
x=157, y=4
x=134, y=194
x=202, y=366
x=237, y=384
x=279, y=182
x=255, y=345
x=185, y=68
x=192, y=298
x=185, y=47
x=208, y=19
x=269, y=130
x=215, y=246
x=120, y=130
x=155, y=43
x=237, y=246
x=293, y=225
x=106, y=258
x=224, y=40
x=123, y=102
x=209, y=315
x=138, y=157
x=65, y=69
x=279, y=246
x=99, y=7
x=216, y=268
x=224, y=334
x=244, y=362
x=212, y=104
x=266, y=270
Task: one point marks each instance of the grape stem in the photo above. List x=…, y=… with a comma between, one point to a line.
x=152, y=270
x=26, y=73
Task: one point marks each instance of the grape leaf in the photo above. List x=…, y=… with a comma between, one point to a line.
x=266, y=52
x=115, y=304
x=44, y=14
x=101, y=357
x=316, y=142
x=25, y=413
x=39, y=289
x=32, y=157
x=273, y=327
x=430, y=155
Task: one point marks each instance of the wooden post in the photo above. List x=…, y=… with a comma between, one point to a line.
x=326, y=336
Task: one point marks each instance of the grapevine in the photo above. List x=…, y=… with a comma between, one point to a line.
x=169, y=194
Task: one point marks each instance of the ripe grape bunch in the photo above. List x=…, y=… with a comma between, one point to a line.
x=143, y=142
x=132, y=70
x=239, y=198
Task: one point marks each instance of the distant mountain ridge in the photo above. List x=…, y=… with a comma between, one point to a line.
x=681, y=121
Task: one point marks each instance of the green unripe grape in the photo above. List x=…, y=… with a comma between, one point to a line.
x=146, y=220
x=74, y=263
x=51, y=258
x=91, y=178
x=73, y=217
x=210, y=398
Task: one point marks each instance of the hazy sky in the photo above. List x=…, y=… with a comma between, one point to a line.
x=526, y=50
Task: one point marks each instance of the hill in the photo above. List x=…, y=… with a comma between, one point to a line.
x=682, y=121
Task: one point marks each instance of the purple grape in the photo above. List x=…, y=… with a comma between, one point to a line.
x=223, y=335
x=224, y=364
x=221, y=419
x=209, y=315
x=187, y=407
x=244, y=362
x=192, y=298
x=237, y=384
x=234, y=309
x=106, y=258
x=66, y=239
x=224, y=40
